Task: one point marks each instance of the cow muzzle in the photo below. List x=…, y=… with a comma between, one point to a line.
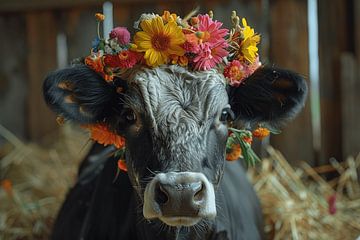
x=179, y=198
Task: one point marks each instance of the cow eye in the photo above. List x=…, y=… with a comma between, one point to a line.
x=129, y=115
x=227, y=115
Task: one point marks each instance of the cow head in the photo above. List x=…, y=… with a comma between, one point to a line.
x=175, y=125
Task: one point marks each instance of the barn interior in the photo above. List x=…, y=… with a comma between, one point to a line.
x=308, y=179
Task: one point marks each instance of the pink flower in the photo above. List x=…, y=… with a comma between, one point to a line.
x=211, y=43
x=208, y=56
x=121, y=34
x=210, y=31
x=236, y=72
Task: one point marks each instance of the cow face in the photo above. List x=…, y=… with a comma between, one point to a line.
x=175, y=125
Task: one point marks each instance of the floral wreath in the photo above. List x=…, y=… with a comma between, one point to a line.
x=198, y=43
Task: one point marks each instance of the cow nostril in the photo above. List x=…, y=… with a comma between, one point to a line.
x=199, y=193
x=161, y=196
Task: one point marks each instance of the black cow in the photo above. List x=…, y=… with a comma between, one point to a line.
x=178, y=185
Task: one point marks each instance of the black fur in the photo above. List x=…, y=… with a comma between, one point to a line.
x=101, y=206
x=270, y=95
x=93, y=97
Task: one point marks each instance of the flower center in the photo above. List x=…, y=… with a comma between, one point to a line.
x=236, y=73
x=160, y=42
x=203, y=36
x=123, y=55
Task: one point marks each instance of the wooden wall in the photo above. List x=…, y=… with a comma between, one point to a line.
x=30, y=29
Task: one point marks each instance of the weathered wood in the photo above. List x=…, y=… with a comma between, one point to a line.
x=41, y=49
x=333, y=40
x=350, y=86
x=356, y=14
x=289, y=49
x=13, y=73
x=26, y=5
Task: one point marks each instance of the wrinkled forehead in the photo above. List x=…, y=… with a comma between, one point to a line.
x=173, y=90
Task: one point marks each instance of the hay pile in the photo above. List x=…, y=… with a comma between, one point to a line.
x=35, y=180
x=295, y=202
x=300, y=204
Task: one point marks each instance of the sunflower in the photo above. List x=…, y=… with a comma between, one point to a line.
x=159, y=41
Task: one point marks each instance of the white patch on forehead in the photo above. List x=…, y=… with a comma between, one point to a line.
x=173, y=95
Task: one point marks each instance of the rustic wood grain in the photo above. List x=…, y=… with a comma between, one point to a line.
x=41, y=59
x=333, y=40
x=289, y=49
x=350, y=86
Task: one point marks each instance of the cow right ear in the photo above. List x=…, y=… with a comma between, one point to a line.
x=78, y=93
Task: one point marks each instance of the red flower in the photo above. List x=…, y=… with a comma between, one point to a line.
x=122, y=165
x=127, y=59
x=112, y=61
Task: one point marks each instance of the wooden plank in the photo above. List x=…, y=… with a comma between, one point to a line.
x=289, y=49
x=356, y=14
x=13, y=74
x=26, y=5
x=333, y=34
x=41, y=46
x=350, y=86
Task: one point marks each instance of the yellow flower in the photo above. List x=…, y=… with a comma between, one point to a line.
x=100, y=17
x=248, y=47
x=159, y=41
x=169, y=17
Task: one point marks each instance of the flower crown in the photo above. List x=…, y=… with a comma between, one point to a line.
x=198, y=43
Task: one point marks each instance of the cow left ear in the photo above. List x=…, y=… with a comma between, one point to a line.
x=270, y=95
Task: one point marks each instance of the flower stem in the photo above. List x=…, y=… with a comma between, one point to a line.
x=98, y=30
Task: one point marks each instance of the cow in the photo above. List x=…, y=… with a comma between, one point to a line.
x=178, y=184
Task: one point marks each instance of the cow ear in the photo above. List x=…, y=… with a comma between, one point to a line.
x=78, y=93
x=270, y=95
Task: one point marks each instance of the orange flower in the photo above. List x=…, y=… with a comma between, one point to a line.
x=6, y=184
x=261, y=133
x=100, y=17
x=101, y=134
x=122, y=165
x=234, y=153
x=96, y=64
x=181, y=60
x=248, y=139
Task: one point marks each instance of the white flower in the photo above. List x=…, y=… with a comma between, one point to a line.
x=144, y=16
x=108, y=49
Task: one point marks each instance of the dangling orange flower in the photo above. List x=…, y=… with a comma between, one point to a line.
x=122, y=165
x=234, y=153
x=6, y=184
x=101, y=134
x=261, y=133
